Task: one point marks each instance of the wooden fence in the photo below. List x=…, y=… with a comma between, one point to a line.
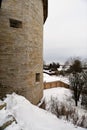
x=54, y=84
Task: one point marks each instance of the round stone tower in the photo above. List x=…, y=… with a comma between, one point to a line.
x=21, y=47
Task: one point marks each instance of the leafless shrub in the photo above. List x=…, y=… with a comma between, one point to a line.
x=68, y=113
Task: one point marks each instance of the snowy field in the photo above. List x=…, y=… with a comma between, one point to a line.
x=30, y=117
x=59, y=101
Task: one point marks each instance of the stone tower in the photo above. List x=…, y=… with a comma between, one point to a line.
x=21, y=47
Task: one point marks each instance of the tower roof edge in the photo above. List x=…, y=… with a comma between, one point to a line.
x=45, y=9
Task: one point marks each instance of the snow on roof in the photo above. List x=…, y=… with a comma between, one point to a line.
x=30, y=117
x=60, y=68
x=48, y=78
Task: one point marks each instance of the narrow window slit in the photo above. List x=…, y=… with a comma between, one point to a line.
x=15, y=23
x=37, y=77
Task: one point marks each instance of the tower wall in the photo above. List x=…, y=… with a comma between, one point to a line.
x=21, y=48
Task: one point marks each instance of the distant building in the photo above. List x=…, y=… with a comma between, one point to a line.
x=21, y=47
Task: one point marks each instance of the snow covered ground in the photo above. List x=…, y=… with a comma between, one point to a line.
x=60, y=102
x=30, y=117
x=63, y=95
x=48, y=78
x=25, y=116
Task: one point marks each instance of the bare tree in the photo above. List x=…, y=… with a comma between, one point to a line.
x=84, y=93
x=76, y=66
x=76, y=83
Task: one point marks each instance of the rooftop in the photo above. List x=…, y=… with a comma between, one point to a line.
x=45, y=8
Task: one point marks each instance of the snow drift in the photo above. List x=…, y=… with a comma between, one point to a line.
x=30, y=117
x=60, y=102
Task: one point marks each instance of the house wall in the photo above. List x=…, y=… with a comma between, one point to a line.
x=21, y=49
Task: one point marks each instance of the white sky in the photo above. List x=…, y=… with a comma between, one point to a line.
x=65, y=31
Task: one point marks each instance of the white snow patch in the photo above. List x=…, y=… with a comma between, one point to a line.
x=61, y=95
x=30, y=117
x=57, y=98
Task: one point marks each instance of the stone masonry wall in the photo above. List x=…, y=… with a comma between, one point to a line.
x=21, y=48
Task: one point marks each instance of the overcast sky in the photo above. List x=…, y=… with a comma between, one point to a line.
x=65, y=31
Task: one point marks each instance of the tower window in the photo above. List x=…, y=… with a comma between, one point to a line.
x=37, y=77
x=15, y=23
x=0, y=3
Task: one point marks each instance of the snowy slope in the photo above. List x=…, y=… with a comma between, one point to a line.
x=63, y=95
x=30, y=117
x=60, y=102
